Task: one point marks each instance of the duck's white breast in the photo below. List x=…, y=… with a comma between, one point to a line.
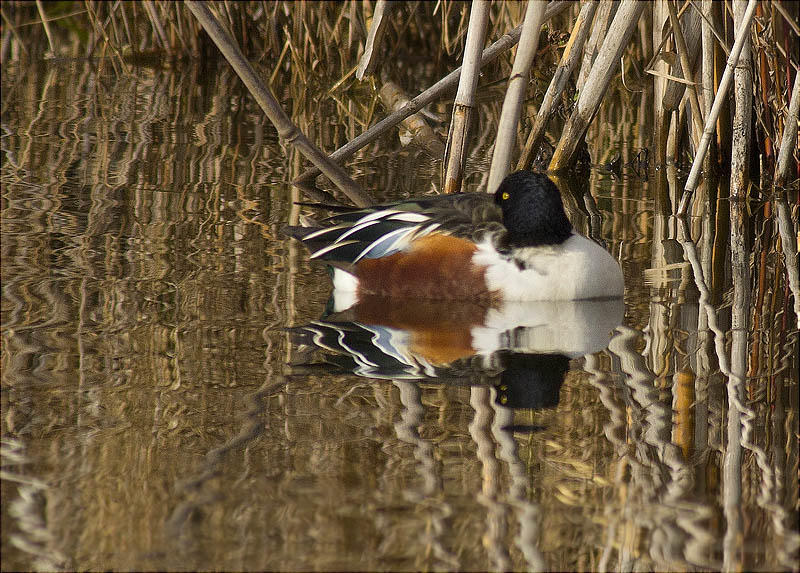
x=576, y=269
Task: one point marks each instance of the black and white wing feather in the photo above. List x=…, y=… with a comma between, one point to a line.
x=383, y=230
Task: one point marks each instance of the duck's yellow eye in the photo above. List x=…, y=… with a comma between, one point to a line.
x=505, y=195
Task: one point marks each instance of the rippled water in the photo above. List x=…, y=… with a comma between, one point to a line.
x=170, y=399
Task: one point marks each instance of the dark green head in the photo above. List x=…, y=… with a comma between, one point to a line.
x=533, y=212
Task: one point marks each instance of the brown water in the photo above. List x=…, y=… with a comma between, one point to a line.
x=157, y=413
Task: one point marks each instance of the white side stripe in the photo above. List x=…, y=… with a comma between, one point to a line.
x=356, y=227
x=324, y=231
x=396, y=236
x=377, y=215
x=330, y=248
x=409, y=217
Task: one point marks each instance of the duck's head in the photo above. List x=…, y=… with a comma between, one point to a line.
x=533, y=212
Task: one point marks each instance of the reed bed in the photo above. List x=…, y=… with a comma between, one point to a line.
x=358, y=39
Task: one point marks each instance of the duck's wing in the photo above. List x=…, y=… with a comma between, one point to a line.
x=346, y=238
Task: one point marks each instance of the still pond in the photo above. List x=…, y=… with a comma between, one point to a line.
x=175, y=396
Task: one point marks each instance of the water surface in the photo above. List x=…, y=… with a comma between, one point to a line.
x=158, y=413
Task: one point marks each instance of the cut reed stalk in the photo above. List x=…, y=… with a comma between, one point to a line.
x=740, y=306
x=46, y=26
x=687, y=61
x=674, y=121
x=707, y=66
x=689, y=35
x=598, y=81
x=599, y=27
x=286, y=129
x=572, y=51
x=380, y=19
x=150, y=8
x=789, y=240
x=764, y=81
x=489, y=55
x=515, y=95
x=787, y=17
x=789, y=135
x=393, y=98
x=711, y=120
x=788, y=233
x=455, y=154
x=658, y=67
x=740, y=262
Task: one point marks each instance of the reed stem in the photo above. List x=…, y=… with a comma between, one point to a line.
x=455, y=154
x=707, y=65
x=393, y=98
x=740, y=307
x=604, y=12
x=711, y=120
x=789, y=135
x=515, y=95
x=380, y=19
x=46, y=26
x=597, y=83
x=286, y=129
x=489, y=55
x=687, y=62
x=572, y=51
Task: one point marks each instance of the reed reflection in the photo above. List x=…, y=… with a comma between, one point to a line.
x=513, y=356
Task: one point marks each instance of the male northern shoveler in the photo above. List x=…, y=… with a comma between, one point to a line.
x=514, y=245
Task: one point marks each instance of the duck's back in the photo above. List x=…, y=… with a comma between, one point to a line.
x=346, y=239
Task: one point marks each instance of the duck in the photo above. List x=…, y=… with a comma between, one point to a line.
x=516, y=244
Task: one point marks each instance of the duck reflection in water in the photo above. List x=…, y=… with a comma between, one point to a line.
x=522, y=349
